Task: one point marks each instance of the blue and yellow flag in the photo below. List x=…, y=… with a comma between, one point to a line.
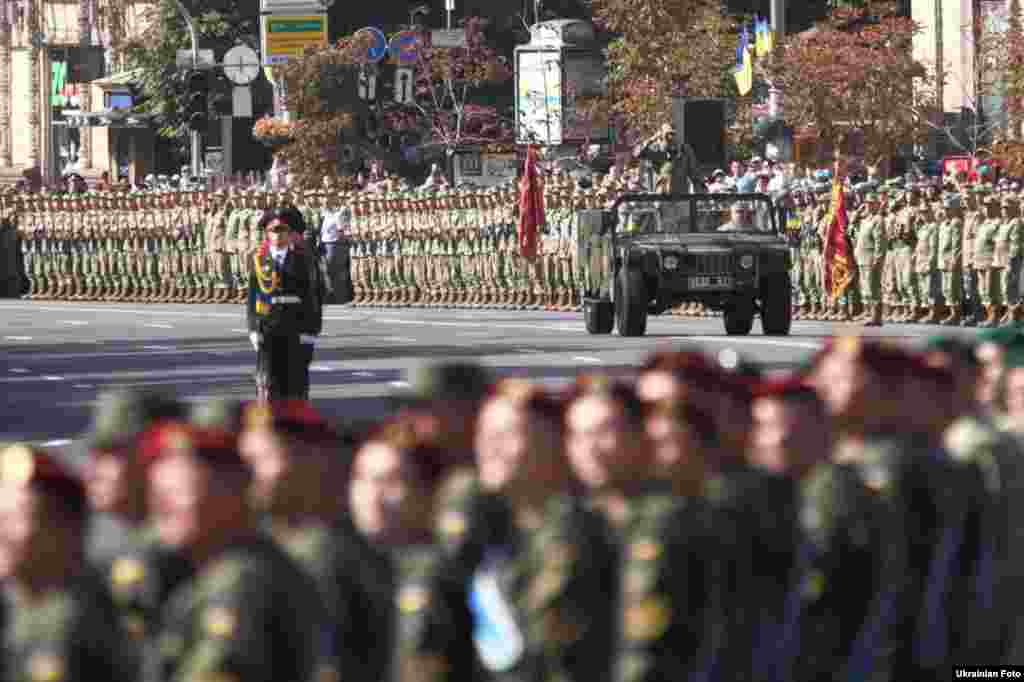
x=769, y=37
x=744, y=71
x=760, y=39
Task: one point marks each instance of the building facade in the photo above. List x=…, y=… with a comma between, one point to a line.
x=58, y=58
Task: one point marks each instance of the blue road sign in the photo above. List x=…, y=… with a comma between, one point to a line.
x=379, y=47
x=403, y=47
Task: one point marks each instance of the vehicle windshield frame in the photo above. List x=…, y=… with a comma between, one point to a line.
x=665, y=214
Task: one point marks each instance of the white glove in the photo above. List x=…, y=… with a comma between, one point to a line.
x=256, y=339
x=307, y=340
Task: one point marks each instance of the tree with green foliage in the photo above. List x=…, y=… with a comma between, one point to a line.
x=220, y=25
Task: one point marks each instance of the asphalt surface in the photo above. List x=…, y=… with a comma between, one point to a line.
x=55, y=357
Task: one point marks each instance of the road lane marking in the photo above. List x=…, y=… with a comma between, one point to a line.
x=158, y=348
x=60, y=442
x=17, y=338
x=782, y=343
x=399, y=384
x=240, y=331
x=158, y=325
x=82, y=386
x=75, y=323
x=588, y=359
x=50, y=377
x=19, y=370
x=321, y=368
x=363, y=374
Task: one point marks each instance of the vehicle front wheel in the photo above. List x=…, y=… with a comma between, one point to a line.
x=776, y=305
x=739, y=317
x=630, y=303
x=599, y=317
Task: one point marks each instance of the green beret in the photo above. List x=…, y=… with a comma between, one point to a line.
x=871, y=196
x=121, y=416
x=1013, y=354
x=450, y=381
x=1001, y=336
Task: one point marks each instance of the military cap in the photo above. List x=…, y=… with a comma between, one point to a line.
x=789, y=387
x=978, y=189
x=27, y=466
x=215, y=447
x=964, y=350
x=1009, y=201
x=296, y=418
x=449, y=381
x=121, y=416
x=871, y=197
x=1013, y=353
x=883, y=358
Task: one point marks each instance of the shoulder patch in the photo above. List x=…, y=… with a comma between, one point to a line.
x=220, y=622
x=45, y=668
x=413, y=598
x=647, y=619
x=127, y=572
x=452, y=524
x=645, y=549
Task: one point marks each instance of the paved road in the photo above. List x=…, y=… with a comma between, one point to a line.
x=55, y=357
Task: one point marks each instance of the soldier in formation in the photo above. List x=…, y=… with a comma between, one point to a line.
x=853, y=518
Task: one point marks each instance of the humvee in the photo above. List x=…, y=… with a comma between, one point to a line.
x=649, y=253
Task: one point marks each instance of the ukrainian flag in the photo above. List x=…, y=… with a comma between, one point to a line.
x=760, y=37
x=769, y=37
x=744, y=71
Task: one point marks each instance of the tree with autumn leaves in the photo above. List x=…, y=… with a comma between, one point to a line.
x=443, y=115
x=854, y=76
x=661, y=49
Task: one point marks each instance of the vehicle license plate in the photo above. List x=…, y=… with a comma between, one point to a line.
x=709, y=281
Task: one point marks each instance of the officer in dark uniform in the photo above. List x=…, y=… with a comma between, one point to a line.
x=675, y=161
x=284, y=308
x=301, y=237
x=58, y=622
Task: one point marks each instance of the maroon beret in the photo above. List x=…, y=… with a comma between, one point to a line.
x=32, y=467
x=295, y=418
x=215, y=447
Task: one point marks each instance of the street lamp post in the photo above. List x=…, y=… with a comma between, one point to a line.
x=195, y=135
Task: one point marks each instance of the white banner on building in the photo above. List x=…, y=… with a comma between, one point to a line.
x=539, y=97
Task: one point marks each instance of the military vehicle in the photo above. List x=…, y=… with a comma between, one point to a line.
x=649, y=253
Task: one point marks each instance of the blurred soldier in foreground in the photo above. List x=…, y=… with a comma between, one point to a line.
x=247, y=613
x=58, y=621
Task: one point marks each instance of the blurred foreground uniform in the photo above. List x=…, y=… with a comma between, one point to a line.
x=63, y=626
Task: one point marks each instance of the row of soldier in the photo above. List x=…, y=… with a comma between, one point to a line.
x=855, y=520
x=921, y=256
x=426, y=248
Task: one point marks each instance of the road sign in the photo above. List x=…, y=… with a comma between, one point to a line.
x=242, y=65
x=405, y=86
x=378, y=48
x=455, y=37
x=183, y=59
x=367, y=86
x=403, y=47
x=285, y=37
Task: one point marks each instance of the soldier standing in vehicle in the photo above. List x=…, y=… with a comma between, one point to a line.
x=674, y=159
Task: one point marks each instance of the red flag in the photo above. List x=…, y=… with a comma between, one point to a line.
x=838, y=263
x=531, y=206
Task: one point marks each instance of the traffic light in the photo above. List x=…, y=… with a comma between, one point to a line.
x=197, y=93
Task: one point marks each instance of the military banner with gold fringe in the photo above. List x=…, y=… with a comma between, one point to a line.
x=838, y=258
